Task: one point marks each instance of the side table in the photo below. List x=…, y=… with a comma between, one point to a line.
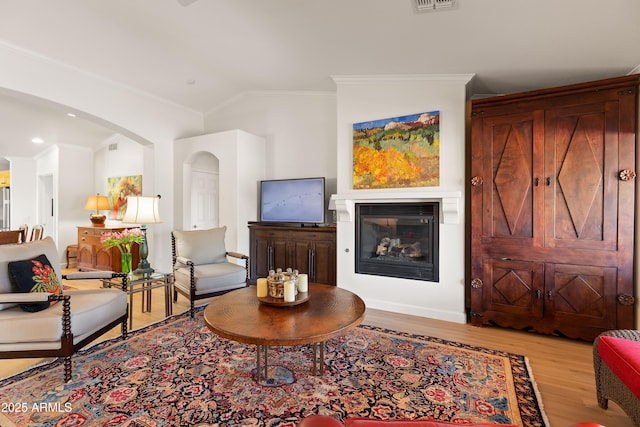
x=144, y=284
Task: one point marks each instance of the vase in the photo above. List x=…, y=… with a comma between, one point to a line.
x=126, y=262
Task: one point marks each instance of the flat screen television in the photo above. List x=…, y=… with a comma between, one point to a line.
x=299, y=200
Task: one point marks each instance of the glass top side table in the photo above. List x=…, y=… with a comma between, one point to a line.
x=134, y=284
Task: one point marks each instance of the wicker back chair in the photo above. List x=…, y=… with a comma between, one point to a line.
x=609, y=386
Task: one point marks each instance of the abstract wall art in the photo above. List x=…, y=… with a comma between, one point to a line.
x=118, y=188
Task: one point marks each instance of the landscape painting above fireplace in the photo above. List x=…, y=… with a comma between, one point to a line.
x=397, y=152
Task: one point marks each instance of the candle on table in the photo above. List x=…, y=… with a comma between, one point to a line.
x=262, y=287
x=303, y=283
x=289, y=291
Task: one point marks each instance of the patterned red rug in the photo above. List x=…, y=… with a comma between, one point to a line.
x=178, y=373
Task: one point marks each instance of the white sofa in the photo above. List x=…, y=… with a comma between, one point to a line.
x=78, y=318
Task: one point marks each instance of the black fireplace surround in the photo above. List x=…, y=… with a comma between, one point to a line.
x=398, y=240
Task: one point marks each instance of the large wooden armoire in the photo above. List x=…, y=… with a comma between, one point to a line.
x=552, y=187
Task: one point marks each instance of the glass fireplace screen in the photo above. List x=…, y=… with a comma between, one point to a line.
x=398, y=240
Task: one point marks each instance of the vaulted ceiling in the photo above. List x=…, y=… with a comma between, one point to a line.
x=202, y=54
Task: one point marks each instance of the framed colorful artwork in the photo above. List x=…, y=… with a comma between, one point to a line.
x=118, y=188
x=397, y=152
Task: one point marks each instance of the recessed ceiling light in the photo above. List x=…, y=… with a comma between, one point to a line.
x=37, y=140
x=71, y=115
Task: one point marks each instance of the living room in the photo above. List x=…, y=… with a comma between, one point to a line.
x=304, y=132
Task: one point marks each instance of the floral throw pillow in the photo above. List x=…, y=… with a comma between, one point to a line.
x=34, y=275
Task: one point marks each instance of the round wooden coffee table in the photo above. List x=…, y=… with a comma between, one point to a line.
x=330, y=311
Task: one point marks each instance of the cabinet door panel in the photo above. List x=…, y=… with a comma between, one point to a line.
x=85, y=257
x=510, y=143
x=581, y=164
x=104, y=259
x=582, y=295
x=324, y=260
x=302, y=251
x=280, y=255
x=259, y=261
x=513, y=287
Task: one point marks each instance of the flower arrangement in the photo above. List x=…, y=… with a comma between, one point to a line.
x=123, y=240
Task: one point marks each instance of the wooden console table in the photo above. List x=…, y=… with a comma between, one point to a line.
x=93, y=255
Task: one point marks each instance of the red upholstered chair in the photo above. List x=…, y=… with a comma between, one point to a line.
x=327, y=421
x=616, y=363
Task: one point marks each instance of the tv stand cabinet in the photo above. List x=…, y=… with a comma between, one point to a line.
x=310, y=250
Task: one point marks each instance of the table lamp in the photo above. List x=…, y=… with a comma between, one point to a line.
x=97, y=203
x=142, y=210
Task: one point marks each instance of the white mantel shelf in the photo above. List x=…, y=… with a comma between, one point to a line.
x=344, y=203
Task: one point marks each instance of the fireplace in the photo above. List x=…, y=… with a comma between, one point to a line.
x=398, y=240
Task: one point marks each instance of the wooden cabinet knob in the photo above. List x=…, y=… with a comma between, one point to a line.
x=627, y=175
x=626, y=299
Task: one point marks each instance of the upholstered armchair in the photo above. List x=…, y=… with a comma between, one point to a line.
x=201, y=265
x=38, y=318
x=616, y=363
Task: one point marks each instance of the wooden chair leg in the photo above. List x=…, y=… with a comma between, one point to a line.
x=125, y=331
x=67, y=369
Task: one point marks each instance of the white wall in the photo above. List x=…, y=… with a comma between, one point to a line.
x=364, y=98
x=70, y=168
x=23, y=196
x=139, y=116
x=299, y=129
x=126, y=160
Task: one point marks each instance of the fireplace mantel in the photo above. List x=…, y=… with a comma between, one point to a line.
x=344, y=203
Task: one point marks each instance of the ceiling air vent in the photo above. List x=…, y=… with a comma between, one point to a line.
x=434, y=5
x=113, y=147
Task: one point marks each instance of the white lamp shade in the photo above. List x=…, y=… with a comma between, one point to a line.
x=142, y=210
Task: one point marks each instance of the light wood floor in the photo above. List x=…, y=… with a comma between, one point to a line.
x=562, y=368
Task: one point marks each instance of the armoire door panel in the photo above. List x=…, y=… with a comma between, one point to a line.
x=581, y=163
x=514, y=287
x=509, y=170
x=582, y=294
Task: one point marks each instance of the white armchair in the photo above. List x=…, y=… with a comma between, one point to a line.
x=201, y=267
x=68, y=321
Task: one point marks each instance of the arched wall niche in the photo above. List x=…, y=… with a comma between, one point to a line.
x=201, y=165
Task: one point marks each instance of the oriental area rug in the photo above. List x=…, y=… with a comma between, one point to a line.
x=178, y=373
